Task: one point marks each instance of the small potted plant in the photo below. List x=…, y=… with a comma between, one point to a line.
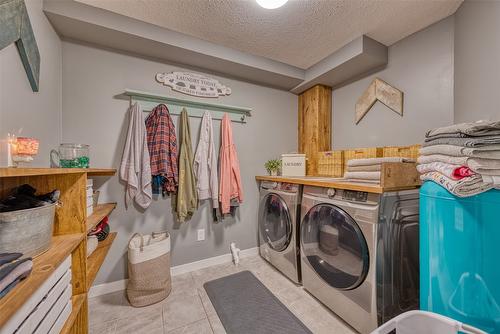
x=273, y=166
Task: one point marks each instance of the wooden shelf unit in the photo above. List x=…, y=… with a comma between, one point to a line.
x=101, y=171
x=70, y=231
x=77, y=301
x=12, y=172
x=43, y=266
x=100, y=211
x=95, y=260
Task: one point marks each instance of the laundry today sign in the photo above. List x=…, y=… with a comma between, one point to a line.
x=193, y=84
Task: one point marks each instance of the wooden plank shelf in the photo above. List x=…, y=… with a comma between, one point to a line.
x=339, y=183
x=95, y=260
x=100, y=211
x=16, y=172
x=76, y=304
x=43, y=266
x=101, y=171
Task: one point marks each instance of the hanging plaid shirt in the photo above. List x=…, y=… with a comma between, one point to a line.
x=162, y=145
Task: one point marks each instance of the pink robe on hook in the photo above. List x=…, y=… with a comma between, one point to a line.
x=229, y=176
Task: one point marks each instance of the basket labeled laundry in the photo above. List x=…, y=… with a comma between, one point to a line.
x=148, y=268
x=423, y=322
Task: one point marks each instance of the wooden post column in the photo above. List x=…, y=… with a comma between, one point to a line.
x=315, y=122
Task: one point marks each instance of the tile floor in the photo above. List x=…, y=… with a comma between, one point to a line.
x=188, y=309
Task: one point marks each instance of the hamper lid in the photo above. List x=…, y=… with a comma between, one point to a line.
x=433, y=190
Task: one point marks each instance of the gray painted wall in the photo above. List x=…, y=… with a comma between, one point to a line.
x=91, y=78
x=477, y=61
x=420, y=65
x=23, y=112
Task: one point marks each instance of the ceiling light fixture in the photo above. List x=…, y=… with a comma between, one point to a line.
x=271, y=4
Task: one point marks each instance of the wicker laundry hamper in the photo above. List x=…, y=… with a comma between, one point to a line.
x=149, y=268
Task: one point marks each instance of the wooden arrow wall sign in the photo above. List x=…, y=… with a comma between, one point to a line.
x=379, y=90
x=15, y=27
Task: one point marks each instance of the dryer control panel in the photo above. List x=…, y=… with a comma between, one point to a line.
x=282, y=186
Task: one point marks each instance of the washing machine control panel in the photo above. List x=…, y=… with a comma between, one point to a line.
x=354, y=196
x=344, y=195
x=349, y=195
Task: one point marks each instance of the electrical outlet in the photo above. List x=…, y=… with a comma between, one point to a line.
x=201, y=234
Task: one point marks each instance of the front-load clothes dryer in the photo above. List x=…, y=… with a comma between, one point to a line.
x=359, y=253
x=278, y=226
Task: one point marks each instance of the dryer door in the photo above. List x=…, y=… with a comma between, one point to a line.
x=275, y=224
x=334, y=246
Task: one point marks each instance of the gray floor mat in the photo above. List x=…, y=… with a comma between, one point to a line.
x=245, y=306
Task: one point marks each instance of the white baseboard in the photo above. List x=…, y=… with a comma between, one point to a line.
x=105, y=288
x=212, y=261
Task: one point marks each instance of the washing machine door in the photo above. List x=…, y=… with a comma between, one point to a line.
x=334, y=246
x=275, y=224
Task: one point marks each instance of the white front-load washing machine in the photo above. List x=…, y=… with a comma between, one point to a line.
x=278, y=226
x=359, y=253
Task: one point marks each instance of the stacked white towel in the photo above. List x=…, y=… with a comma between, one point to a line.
x=464, y=158
x=368, y=170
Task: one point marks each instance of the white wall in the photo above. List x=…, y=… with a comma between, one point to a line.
x=477, y=61
x=92, y=77
x=420, y=65
x=22, y=111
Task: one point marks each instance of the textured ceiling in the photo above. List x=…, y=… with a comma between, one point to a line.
x=301, y=33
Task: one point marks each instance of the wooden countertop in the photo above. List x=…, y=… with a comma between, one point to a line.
x=330, y=182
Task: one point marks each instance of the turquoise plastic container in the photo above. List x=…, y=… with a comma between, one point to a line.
x=460, y=256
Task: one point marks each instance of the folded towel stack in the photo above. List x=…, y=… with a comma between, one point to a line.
x=13, y=269
x=368, y=170
x=464, y=158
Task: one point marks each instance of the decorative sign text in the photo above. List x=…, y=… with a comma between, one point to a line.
x=193, y=84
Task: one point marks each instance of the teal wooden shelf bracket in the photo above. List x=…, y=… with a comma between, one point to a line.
x=148, y=101
x=15, y=27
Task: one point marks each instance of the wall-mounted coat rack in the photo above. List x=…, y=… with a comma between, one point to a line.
x=148, y=101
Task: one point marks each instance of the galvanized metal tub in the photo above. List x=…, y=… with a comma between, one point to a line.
x=27, y=231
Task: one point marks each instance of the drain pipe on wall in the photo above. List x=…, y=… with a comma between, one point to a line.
x=236, y=253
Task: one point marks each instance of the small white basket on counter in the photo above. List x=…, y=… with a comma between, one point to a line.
x=293, y=164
